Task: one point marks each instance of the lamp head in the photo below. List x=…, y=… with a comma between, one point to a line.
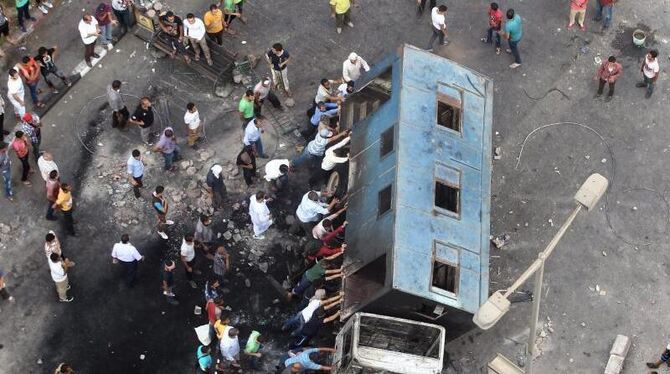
x=491, y=311
x=591, y=191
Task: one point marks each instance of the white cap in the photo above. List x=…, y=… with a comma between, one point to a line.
x=353, y=56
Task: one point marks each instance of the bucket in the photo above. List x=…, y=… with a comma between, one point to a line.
x=639, y=37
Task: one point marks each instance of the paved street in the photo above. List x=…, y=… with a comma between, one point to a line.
x=620, y=247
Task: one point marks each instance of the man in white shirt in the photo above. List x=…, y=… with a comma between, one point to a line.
x=128, y=256
x=252, y=135
x=333, y=156
x=194, y=30
x=46, y=164
x=345, y=89
x=16, y=93
x=230, y=347
x=58, y=270
x=193, y=122
x=262, y=91
x=438, y=21
x=325, y=226
x=650, y=70
x=187, y=253
x=276, y=173
x=351, y=67
x=311, y=209
x=89, y=32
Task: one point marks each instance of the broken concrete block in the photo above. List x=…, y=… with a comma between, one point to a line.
x=191, y=170
x=263, y=266
x=227, y=235
x=247, y=283
x=614, y=365
x=184, y=164
x=237, y=237
x=621, y=346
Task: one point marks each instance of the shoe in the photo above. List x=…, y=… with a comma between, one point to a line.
x=445, y=42
x=193, y=284
x=497, y=50
x=89, y=64
x=259, y=237
x=68, y=300
x=640, y=85
x=597, y=95
x=95, y=55
x=350, y=24
x=169, y=222
x=43, y=9
x=508, y=50
x=652, y=365
x=514, y=66
x=570, y=26
x=210, y=62
x=484, y=40
x=163, y=235
x=647, y=95
x=608, y=99
x=23, y=29
x=429, y=50
x=55, y=91
x=339, y=30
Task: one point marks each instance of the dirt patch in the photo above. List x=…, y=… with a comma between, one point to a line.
x=623, y=41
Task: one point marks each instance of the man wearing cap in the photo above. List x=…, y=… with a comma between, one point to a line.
x=252, y=135
x=351, y=68
x=215, y=186
x=262, y=91
x=32, y=127
x=316, y=148
x=46, y=164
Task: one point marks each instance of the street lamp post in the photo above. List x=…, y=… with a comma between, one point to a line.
x=498, y=304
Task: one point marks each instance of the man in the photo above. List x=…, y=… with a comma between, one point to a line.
x=252, y=349
x=194, y=30
x=495, y=25
x=193, y=124
x=59, y=270
x=665, y=357
x=310, y=209
x=262, y=91
x=438, y=21
x=352, y=67
x=3, y=132
x=316, y=148
x=203, y=354
x=122, y=13
x=261, y=218
x=52, y=187
x=246, y=108
x=214, y=24
x=144, y=118
x=6, y=170
x=578, y=13
x=32, y=128
x=341, y=11
x=344, y=90
x=204, y=236
x=299, y=362
x=89, y=32
x=513, y=33
x=167, y=145
x=52, y=245
x=22, y=10
x=16, y=93
x=215, y=186
x=333, y=156
x=278, y=59
x=3, y=288
x=650, y=70
x=120, y=113
x=276, y=174
x=30, y=72
x=221, y=264
x=64, y=204
x=322, y=110
x=103, y=14
x=135, y=168
x=46, y=164
x=21, y=146
x=252, y=135
x=324, y=92
x=187, y=254
x=167, y=277
x=246, y=160
x=608, y=72
x=45, y=59
x=230, y=348
x=160, y=204
x=311, y=328
x=421, y=5
x=127, y=255
x=604, y=10
x=296, y=323
x=230, y=13
x=173, y=29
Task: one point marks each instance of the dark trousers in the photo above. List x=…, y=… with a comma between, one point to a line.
x=89, y=50
x=272, y=98
x=189, y=274
x=57, y=73
x=69, y=222
x=23, y=13
x=32, y=87
x=248, y=175
x=490, y=34
x=514, y=47
x=229, y=18
x=36, y=149
x=130, y=268
x=120, y=118
x=422, y=5
x=216, y=37
x=2, y=126
x=601, y=86
x=50, y=210
x=317, y=177
x=437, y=34
x=4, y=293
x=26, y=168
x=123, y=16
x=136, y=188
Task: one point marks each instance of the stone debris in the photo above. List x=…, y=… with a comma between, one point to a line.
x=501, y=240
x=191, y=170
x=604, y=253
x=247, y=283
x=263, y=266
x=497, y=153
x=237, y=237
x=227, y=235
x=583, y=324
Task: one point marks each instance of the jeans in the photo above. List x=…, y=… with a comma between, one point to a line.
x=305, y=156
x=489, y=36
x=106, y=34
x=7, y=178
x=23, y=13
x=604, y=13
x=294, y=324
x=513, y=46
x=601, y=86
x=130, y=269
x=258, y=144
x=650, y=84
x=69, y=222
x=32, y=87
x=170, y=157
x=26, y=168
x=437, y=34
x=123, y=16
x=36, y=149
x=50, y=210
x=89, y=51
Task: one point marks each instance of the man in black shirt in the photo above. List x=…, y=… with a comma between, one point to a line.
x=278, y=58
x=167, y=277
x=144, y=118
x=45, y=59
x=173, y=30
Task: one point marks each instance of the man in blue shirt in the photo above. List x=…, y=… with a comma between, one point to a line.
x=300, y=362
x=513, y=32
x=204, y=358
x=322, y=109
x=136, y=171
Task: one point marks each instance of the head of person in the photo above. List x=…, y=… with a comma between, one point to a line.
x=319, y=294
x=28, y=118
x=350, y=87
x=190, y=18
x=18, y=134
x=191, y=107
x=116, y=85
x=652, y=54
x=312, y=195
x=213, y=8
x=221, y=250
x=145, y=103
x=442, y=9
x=342, y=152
x=65, y=187
x=266, y=82
x=217, y=170
x=283, y=169
x=219, y=300
x=42, y=51
x=277, y=48
x=169, y=15
x=188, y=238
x=325, y=82
x=13, y=74
x=25, y=59
x=494, y=6
x=249, y=149
x=168, y=133
x=260, y=195
x=325, y=133
x=233, y=333
x=64, y=368
x=249, y=95
x=611, y=59
x=136, y=154
x=47, y=156
x=353, y=57
x=510, y=13
x=53, y=174
x=321, y=105
x=54, y=257
x=50, y=237
x=125, y=238
x=225, y=317
x=169, y=265
x=205, y=219
x=87, y=18
x=260, y=120
x=159, y=190
x=327, y=224
x=205, y=349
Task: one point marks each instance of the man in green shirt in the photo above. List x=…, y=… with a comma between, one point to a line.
x=246, y=108
x=23, y=13
x=230, y=13
x=513, y=32
x=253, y=347
x=341, y=11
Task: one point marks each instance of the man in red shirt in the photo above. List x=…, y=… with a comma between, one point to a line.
x=30, y=72
x=495, y=23
x=604, y=12
x=578, y=13
x=21, y=145
x=608, y=72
